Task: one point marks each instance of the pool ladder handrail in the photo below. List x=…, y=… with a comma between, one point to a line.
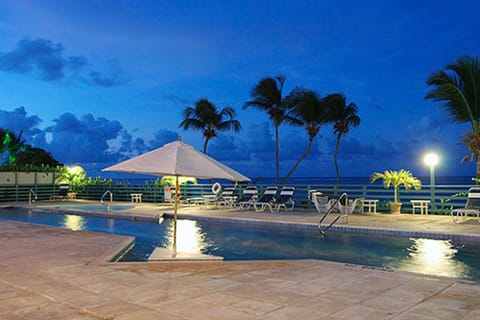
x=335, y=205
x=30, y=200
x=102, y=200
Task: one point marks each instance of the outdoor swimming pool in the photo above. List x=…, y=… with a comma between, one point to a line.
x=241, y=242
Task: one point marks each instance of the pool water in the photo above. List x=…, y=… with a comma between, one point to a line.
x=241, y=242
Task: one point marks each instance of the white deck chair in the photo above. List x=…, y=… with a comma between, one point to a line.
x=227, y=198
x=472, y=206
x=248, y=198
x=354, y=205
x=322, y=202
x=284, y=200
x=267, y=199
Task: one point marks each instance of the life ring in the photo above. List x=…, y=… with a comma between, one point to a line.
x=216, y=188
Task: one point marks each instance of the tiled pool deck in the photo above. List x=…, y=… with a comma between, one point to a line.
x=48, y=273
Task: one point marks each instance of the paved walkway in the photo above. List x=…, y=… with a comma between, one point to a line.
x=48, y=273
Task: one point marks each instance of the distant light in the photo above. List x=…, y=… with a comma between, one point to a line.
x=431, y=159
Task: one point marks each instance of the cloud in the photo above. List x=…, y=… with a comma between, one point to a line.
x=85, y=139
x=38, y=55
x=177, y=99
x=228, y=148
x=47, y=61
x=130, y=147
x=353, y=148
x=161, y=137
x=260, y=142
x=17, y=121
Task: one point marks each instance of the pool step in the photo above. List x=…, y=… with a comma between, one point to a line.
x=166, y=254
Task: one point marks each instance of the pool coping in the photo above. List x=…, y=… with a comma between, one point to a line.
x=126, y=215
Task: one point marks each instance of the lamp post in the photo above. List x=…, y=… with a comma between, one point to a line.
x=431, y=160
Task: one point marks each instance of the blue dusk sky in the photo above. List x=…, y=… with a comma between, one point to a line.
x=96, y=82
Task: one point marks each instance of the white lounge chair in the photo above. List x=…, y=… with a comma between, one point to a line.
x=248, y=198
x=227, y=197
x=284, y=200
x=472, y=206
x=323, y=203
x=267, y=199
x=348, y=206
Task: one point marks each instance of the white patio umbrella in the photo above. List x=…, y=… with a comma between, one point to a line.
x=177, y=159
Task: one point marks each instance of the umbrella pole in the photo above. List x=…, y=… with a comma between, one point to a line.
x=175, y=208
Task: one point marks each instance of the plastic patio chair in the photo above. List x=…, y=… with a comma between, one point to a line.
x=472, y=206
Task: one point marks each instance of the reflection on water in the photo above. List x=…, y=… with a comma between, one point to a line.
x=74, y=222
x=432, y=257
x=190, y=237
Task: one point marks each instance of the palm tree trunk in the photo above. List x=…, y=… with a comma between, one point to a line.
x=276, y=155
x=307, y=152
x=205, y=145
x=335, y=158
x=477, y=173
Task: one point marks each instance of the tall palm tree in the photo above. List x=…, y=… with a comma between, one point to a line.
x=310, y=111
x=206, y=117
x=267, y=97
x=344, y=117
x=458, y=86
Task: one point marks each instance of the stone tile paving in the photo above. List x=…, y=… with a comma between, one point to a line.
x=48, y=273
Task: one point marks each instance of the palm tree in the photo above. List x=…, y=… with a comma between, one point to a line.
x=205, y=117
x=73, y=176
x=10, y=145
x=343, y=117
x=397, y=179
x=310, y=111
x=267, y=97
x=458, y=86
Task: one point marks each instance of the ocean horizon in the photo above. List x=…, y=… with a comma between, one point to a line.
x=440, y=180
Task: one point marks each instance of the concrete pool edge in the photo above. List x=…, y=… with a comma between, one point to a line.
x=98, y=214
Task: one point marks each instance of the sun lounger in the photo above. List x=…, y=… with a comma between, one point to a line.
x=284, y=200
x=227, y=197
x=472, y=206
x=248, y=198
x=209, y=200
x=267, y=199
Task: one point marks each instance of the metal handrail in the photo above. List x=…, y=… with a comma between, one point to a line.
x=322, y=231
x=102, y=200
x=30, y=200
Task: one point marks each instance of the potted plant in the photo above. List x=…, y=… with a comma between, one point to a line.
x=397, y=179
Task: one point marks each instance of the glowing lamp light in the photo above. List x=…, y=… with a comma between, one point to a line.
x=75, y=169
x=431, y=159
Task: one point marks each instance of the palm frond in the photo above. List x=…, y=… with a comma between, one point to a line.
x=207, y=118
x=458, y=87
